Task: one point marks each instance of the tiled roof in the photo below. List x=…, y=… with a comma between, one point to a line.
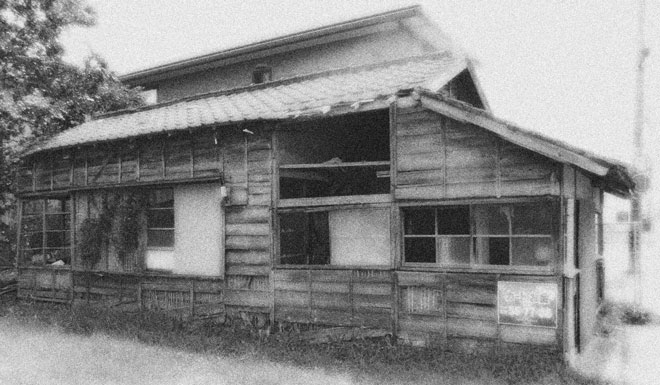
x=285, y=99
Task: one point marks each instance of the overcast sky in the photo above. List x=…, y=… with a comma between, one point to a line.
x=565, y=68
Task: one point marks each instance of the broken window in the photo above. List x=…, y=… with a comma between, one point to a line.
x=341, y=237
x=520, y=234
x=46, y=231
x=339, y=156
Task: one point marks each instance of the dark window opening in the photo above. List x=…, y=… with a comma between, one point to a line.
x=337, y=156
x=304, y=238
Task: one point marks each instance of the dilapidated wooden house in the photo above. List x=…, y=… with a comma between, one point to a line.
x=351, y=175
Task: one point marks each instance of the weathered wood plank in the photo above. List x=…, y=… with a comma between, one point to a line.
x=372, y=301
x=415, y=162
x=247, y=298
x=247, y=229
x=372, y=288
x=464, y=327
x=245, y=242
x=436, y=177
x=472, y=311
x=293, y=314
x=528, y=335
x=247, y=257
x=331, y=301
x=256, y=270
x=252, y=214
x=421, y=323
x=330, y=287
x=289, y=298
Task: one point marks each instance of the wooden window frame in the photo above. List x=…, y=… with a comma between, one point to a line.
x=43, y=215
x=474, y=265
x=172, y=229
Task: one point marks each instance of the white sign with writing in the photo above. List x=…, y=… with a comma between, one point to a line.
x=527, y=303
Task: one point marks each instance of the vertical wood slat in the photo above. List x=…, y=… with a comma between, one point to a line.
x=34, y=176
x=19, y=223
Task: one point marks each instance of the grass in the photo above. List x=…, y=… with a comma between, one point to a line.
x=376, y=360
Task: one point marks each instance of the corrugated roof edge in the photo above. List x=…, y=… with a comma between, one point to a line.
x=616, y=179
x=396, y=14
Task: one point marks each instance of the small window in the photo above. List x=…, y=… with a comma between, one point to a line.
x=46, y=232
x=498, y=234
x=262, y=74
x=160, y=219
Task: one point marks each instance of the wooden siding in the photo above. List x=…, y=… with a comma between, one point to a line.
x=440, y=158
x=357, y=297
x=439, y=307
x=248, y=177
x=183, y=156
x=50, y=284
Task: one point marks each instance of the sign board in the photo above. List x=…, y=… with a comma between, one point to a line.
x=527, y=303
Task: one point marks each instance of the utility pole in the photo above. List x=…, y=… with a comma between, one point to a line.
x=641, y=176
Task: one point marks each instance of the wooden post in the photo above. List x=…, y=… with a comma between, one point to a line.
x=192, y=299
x=139, y=295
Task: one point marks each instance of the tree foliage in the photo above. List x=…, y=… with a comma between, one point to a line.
x=40, y=93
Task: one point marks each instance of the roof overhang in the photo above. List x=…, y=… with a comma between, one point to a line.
x=614, y=177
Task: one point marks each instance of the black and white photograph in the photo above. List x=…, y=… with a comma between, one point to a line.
x=330, y=192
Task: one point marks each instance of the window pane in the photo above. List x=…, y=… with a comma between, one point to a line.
x=160, y=238
x=533, y=251
x=33, y=207
x=492, y=250
x=58, y=206
x=32, y=222
x=161, y=198
x=57, y=221
x=33, y=240
x=492, y=219
x=419, y=221
x=304, y=238
x=533, y=218
x=455, y=250
x=420, y=250
x=454, y=220
x=160, y=218
x=57, y=239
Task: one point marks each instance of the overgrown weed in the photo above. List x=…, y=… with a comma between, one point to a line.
x=379, y=359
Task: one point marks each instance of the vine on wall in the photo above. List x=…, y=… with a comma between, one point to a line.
x=117, y=225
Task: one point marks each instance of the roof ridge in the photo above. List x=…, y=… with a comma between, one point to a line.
x=285, y=81
x=373, y=19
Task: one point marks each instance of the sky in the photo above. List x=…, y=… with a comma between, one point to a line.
x=565, y=68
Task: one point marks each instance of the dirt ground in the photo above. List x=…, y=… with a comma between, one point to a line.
x=32, y=354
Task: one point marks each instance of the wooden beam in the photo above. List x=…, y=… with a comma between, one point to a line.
x=338, y=200
x=549, y=150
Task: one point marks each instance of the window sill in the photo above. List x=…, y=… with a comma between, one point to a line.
x=330, y=267
x=44, y=267
x=516, y=270
x=337, y=200
x=152, y=273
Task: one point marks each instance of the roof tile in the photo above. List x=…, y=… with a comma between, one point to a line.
x=270, y=101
